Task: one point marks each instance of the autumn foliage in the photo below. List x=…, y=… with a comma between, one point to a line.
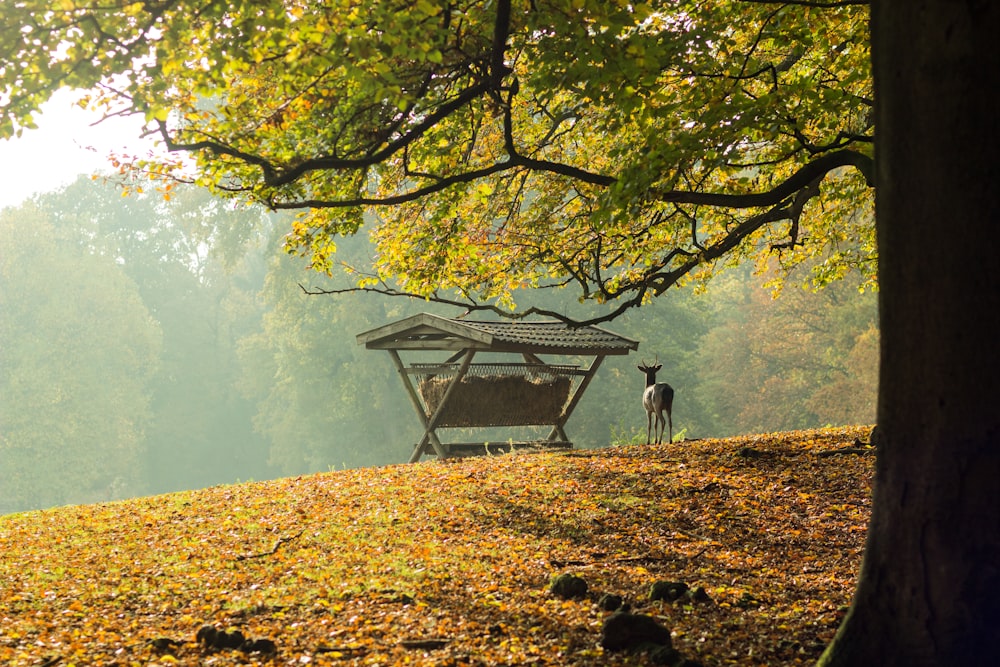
x=450, y=563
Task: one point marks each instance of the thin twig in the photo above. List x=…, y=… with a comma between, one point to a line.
x=354, y=650
x=429, y=644
x=274, y=549
x=847, y=450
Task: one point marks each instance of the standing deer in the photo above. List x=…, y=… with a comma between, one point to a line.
x=657, y=399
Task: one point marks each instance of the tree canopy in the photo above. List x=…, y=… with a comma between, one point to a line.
x=616, y=147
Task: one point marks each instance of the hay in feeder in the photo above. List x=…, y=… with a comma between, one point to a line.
x=497, y=400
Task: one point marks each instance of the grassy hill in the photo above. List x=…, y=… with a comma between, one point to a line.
x=449, y=563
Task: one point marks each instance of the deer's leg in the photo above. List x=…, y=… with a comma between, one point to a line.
x=649, y=425
x=669, y=405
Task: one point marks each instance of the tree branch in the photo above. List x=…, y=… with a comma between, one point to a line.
x=659, y=278
x=473, y=306
x=274, y=549
x=276, y=176
x=820, y=4
x=808, y=173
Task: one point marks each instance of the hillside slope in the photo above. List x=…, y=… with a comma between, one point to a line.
x=449, y=563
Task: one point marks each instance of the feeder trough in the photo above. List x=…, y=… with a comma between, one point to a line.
x=514, y=388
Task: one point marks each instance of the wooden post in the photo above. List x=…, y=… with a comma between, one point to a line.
x=442, y=450
x=557, y=432
x=430, y=423
x=429, y=435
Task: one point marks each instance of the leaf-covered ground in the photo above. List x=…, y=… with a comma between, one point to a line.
x=449, y=563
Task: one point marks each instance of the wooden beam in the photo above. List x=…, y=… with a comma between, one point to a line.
x=395, y=334
x=429, y=435
x=557, y=432
x=418, y=344
x=439, y=448
x=488, y=448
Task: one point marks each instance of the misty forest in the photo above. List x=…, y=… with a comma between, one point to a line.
x=152, y=344
x=791, y=207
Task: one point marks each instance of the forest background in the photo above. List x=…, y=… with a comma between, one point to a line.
x=152, y=344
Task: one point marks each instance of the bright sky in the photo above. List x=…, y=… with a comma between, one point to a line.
x=64, y=146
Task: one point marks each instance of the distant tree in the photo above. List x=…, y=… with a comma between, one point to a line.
x=177, y=251
x=802, y=360
x=322, y=401
x=849, y=397
x=78, y=350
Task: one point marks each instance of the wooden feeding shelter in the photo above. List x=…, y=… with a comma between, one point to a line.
x=515, y=387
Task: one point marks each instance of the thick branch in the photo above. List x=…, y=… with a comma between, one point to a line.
x=662, y=280
x=275, y=176
x=808, y=173
x=516, y=161
x=830, y=4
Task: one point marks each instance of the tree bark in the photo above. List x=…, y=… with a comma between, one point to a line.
x=929, y=588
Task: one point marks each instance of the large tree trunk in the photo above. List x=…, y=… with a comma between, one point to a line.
x=929, y=589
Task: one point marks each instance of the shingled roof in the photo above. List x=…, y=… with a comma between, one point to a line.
x=432, y=332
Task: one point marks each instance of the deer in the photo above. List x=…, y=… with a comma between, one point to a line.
x=657, y=399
